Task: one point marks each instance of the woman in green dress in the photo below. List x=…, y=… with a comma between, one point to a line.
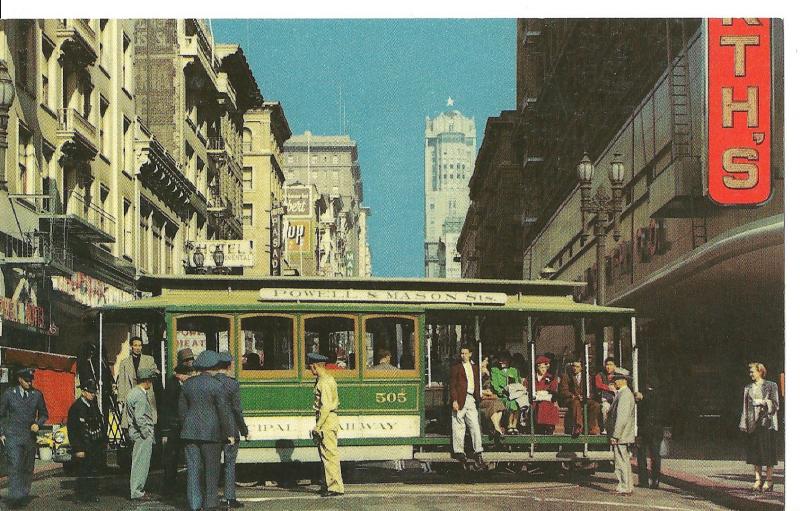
x=501, y=378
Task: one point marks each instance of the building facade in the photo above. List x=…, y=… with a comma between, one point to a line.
x=490, y=240
x=330, y=164
x=707, y=281
x=265, y=132
x=449, y=162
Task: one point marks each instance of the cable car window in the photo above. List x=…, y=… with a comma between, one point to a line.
x=267, y=343
x=390, y=343
x=202, y=333
x=334, y=337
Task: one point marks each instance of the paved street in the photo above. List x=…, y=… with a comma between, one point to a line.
x=378, y=488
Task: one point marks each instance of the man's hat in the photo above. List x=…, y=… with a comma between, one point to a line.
x=148, y=373
x=621, y=374
x=315, y=358
x=224, y=358
x=26, y=373
x=185, y=355
x=207, y=359
x=89, y=386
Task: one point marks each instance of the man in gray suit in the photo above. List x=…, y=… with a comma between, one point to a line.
x=234, y=400
x=622, y=430
x=206, y=424
x=127, y=378
x=23, y=412
x=141, y=430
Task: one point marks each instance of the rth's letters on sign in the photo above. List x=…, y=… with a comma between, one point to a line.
x=739, y=110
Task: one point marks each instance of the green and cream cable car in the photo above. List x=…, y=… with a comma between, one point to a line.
x=389, y=341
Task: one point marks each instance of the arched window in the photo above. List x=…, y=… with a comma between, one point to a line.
x=247, y=140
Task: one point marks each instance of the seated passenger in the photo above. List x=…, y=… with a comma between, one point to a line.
x=384, y=361
x=545, y=412
x=252, y=362
x=572, y=394
x=491, y=406
x=604, y=388
x=502, y=377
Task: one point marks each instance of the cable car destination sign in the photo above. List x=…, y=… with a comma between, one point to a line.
x=279, y=294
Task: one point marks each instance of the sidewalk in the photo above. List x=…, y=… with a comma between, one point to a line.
x=726, y=482
x=40, y=469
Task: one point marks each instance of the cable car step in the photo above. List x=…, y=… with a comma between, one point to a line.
x=446, y=457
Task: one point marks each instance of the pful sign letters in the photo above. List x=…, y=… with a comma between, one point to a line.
x=739, y=109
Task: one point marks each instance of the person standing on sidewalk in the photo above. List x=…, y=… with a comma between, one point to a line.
x=170, y=422
x=326, y=429
x=234, y=402
x=760, y=421
x=23, y=412
x=652, y=418
x=141, y=431
x=205, y=424
x=622, y=430
x=87, y=439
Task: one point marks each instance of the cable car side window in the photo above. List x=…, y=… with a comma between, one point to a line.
x=266, y=343
x=390, y=344
x=202, y=332
x=334, y=337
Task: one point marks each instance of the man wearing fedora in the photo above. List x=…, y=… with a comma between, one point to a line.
x=326, y=429
x=170, y=423
x=234, y=402
x=87, y=438
x=205, y=424
x=22, y=413
x=141, y=430
x=128, y=377
x=622, y=430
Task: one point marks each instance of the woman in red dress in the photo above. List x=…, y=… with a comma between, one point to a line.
x=545, y=412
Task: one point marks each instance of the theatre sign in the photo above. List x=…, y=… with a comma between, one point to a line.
x=739, y=95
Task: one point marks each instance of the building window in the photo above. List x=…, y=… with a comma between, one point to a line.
x=26, y=161
x=127, y=145
x=47, y=56
x=104, y=223
x=158, y=226
x=291, y=159
x=144, y=235
x=105, y=127
x=170, y=256
x=200, y=165
x=247, y=140
x=23, y=65
x=247, y=214
x=48, y=170
x=127, y=227
x=247, y=178
x=314, y=159
x=189, y=164
x=335, y=159
x=105, y=44
x=127, y=64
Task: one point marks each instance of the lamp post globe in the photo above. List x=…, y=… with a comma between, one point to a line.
x=585, y=169
x=616, y=172
x=7, y=91
x=219, y=256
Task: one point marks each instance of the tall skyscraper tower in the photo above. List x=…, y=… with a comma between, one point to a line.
x=449, y=162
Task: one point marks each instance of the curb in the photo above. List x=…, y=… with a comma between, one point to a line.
x=716, y=493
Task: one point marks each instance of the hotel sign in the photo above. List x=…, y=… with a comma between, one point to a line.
x=385, y=296
x=739, y=70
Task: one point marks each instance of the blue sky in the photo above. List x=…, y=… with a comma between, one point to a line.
x=392, y=73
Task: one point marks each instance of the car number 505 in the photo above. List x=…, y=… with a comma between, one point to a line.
x=390, y=397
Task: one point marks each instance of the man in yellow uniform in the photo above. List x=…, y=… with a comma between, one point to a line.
x=326, y=403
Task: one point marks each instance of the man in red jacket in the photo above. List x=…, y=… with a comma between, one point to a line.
x=464, y=393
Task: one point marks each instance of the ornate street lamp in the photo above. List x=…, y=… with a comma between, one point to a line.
x=198, y=259
x=7, y=93
x=219, y=257
x=606, y=210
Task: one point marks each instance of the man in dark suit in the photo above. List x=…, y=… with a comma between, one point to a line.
x=572, y=393
x=87, y=435
x=205, y=424
x=170, y=422
x=464, y=393
x=23, y=412
x=652, y=418
x=234, y=402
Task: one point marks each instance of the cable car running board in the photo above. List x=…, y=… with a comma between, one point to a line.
x=445, y=457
